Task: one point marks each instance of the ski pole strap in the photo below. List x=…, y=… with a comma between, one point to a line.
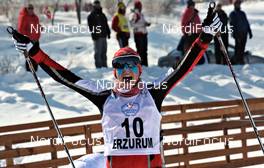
x=211, y=10
x=10, y=30
x=212, y=5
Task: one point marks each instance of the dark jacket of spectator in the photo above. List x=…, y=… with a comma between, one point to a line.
x=241, y=29
x=98, y=25
x=238, y=20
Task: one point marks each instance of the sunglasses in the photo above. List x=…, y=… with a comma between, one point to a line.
x=122, y=62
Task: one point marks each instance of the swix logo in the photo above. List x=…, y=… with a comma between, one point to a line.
x=130, y=109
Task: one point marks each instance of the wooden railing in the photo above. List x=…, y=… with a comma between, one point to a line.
x=200, y=135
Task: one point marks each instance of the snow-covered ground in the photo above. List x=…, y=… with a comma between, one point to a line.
x=20, y=100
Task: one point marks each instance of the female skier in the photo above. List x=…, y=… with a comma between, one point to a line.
x=130, y=112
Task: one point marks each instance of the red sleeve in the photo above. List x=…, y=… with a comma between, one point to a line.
x=42, y=57
x=21, y=25
x=189, y=61
x=115, y=22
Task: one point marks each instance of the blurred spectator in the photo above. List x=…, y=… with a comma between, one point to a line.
x=47, y=12
x=28, y=24
x=241, y=28
x=190, y=24
x=99, y=29
x=120, y=25
x=139, y=25
x=219, y=57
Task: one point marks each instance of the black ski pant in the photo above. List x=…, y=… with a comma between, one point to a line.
x=122, y=39
x=240, y=45
x=141, y=41
x=219, y=56
x=100, y=49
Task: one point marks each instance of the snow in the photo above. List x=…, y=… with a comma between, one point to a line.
x=21, y=102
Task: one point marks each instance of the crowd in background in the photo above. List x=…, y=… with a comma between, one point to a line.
x=239, y=25
x=121, y=25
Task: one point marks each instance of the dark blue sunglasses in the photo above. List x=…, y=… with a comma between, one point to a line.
x=120, y=63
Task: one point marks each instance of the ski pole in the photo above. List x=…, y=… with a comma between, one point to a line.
x=12, y=31
x=245, y=104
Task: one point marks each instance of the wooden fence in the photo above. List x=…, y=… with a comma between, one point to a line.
x=200, y=135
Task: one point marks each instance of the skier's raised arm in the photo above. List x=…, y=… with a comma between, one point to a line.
x=211, y=26
x=59, y=73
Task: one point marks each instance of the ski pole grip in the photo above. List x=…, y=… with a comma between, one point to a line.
x=12, y=31
x=211, y=8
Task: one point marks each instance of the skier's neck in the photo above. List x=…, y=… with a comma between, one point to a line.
x=128, y=93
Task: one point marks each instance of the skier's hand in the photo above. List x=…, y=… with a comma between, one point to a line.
x=20, y=38
x=24, y=44
x=22, y=47
x=212, y=24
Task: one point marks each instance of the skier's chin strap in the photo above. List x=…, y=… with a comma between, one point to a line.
x=129, y=92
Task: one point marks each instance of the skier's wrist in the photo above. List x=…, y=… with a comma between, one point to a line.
x=39, y=57
x=206, y=37
x=34, y=49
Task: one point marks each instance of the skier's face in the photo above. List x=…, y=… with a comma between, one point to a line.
x=128, y=74
x=127, y=69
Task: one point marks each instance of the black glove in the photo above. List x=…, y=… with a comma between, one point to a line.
x=23, y=43
x=211, y=26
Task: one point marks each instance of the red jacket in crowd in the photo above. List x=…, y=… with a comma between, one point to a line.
x=28, y=24
x=190, y=15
